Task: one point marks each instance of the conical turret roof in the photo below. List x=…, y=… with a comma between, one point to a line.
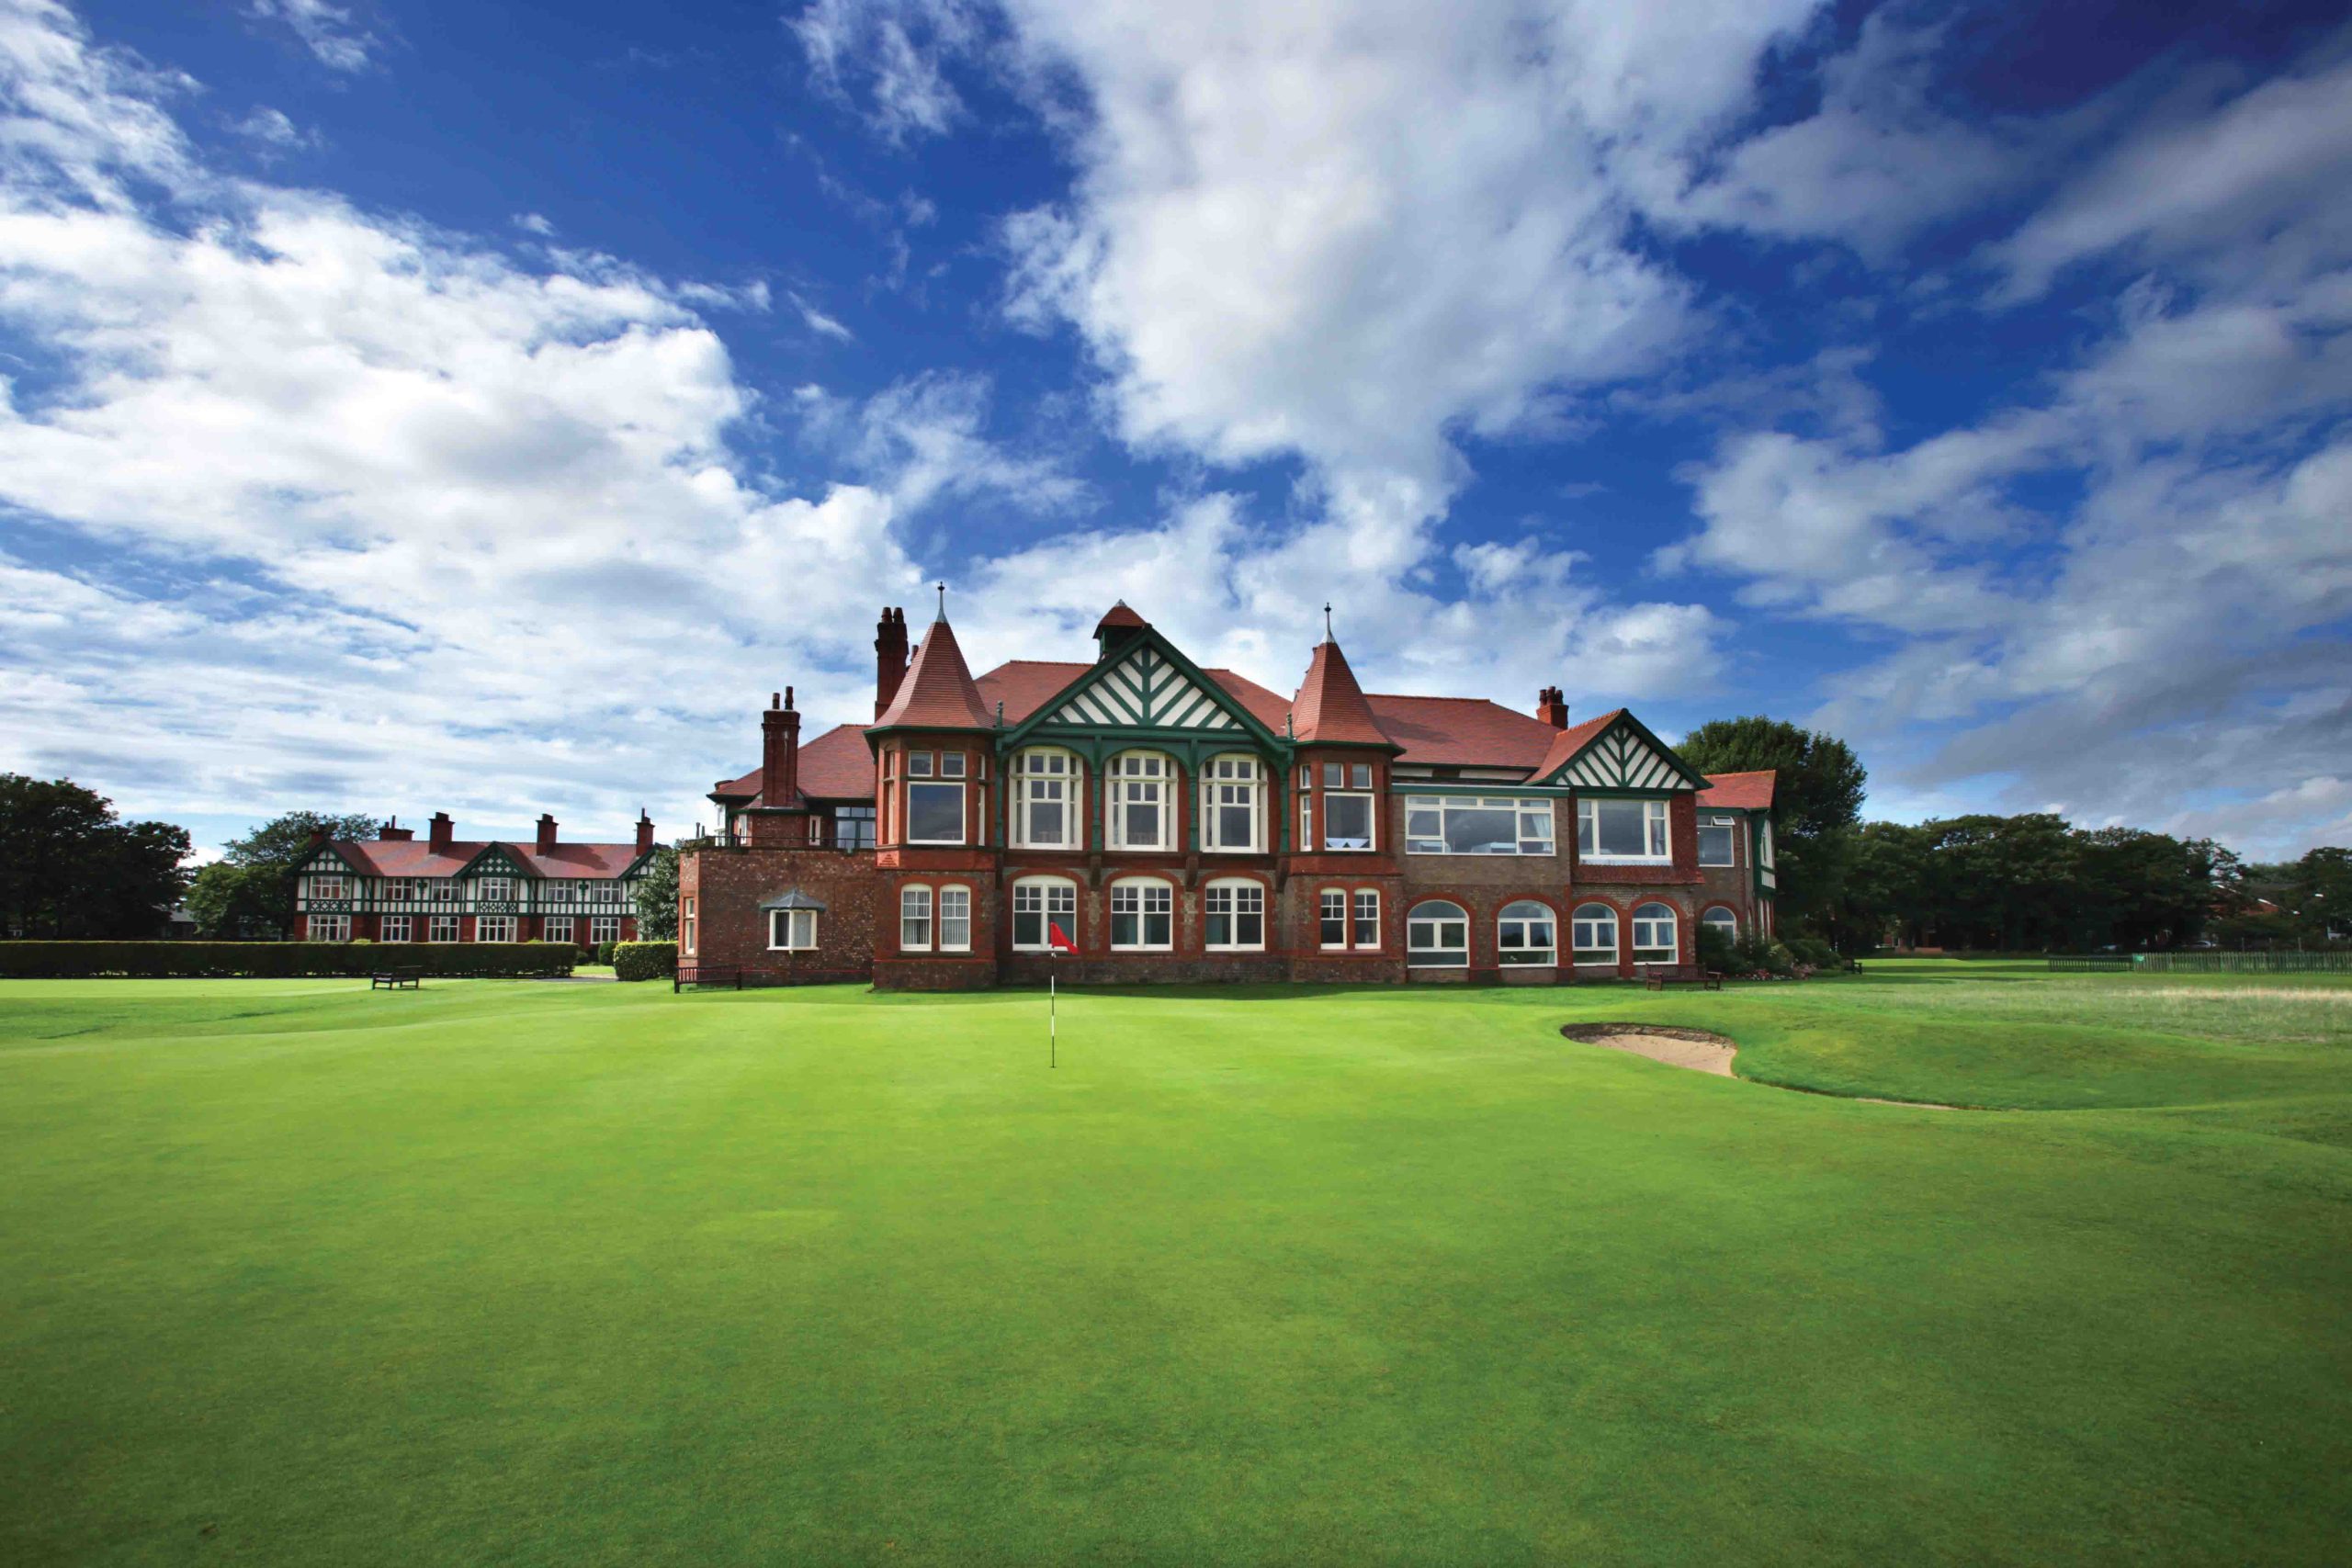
x=1330, y=709
x=937, y=693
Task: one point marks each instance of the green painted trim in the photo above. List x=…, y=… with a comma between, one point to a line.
x=1692, y=778
x=1455, y=786
x=1268, y=742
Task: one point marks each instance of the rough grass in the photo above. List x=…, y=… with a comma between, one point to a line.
x=572, y=1274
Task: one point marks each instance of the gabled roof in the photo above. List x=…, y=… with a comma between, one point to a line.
x=937, y=692
x=1331, y=708
x=1023, y=685
x=1739, y=792
x=1616, y=751
x=1566, y=743
x=1146, y=684
x=1461, y=731
x=417, y=857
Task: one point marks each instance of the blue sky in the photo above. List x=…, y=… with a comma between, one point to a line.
x=482, y=407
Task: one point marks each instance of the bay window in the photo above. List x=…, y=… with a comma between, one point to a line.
x=1476, y=825
x=1234, y=916
x=1622, y=831
x=1044, y=800
x=792, y=931
x=1143, y=915
x=1142, y=816
x=1040, y=904
x=935, y=812
x=1230, y=786
x=1347, y=821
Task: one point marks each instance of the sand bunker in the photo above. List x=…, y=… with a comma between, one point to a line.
x=1701, y=1052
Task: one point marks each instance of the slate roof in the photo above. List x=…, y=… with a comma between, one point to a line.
x=1742, y=792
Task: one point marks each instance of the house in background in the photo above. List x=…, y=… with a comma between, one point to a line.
x=1176, y=823
x=394, y=888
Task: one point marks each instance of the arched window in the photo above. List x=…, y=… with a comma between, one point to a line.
x=1143, y=915
x=1142, y=805
x=1437, y=936
x=1039, y=904
x=1044, y=799
x=1654, y=933
x=1230, y=787
x=1526, y=933
x=914, y=920
x=1234, y=916
x=1721, y=920
x=1592, y=934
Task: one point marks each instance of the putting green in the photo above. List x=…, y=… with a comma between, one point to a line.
x=577, y=1274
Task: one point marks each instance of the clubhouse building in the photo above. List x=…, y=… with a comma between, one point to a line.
x=1136, y=817
x=394, y=888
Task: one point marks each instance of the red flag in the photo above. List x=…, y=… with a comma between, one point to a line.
x=1058, y=939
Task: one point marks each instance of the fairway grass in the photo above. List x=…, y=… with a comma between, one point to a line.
x=540, y=1273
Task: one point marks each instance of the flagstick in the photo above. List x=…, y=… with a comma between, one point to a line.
x=1053, y=1021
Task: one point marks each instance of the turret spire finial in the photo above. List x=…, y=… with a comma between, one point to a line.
x=1327, y=620
x=943, y=599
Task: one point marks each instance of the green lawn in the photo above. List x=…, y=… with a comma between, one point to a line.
x=295, y=1273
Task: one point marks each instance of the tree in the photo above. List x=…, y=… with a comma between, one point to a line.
x=71, y=869
x=260, y=903
x=657, y=897
x=1816, y=803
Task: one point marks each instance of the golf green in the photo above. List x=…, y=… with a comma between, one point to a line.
x=292, y=1273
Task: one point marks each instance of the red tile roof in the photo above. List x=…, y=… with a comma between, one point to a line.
x=1025, y=685
x=1461, y=731
x=417, y=857
x=1331, y=707
x=1566, y=743
x=1118, y=616
x=937, y=693
x=1748, y=791
x=836, y=766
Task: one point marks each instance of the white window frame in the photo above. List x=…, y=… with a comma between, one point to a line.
x=604, y=928
x=797, y=927
x=1729, y=826
x=441, y=927
x=954, y=911
x=445, y=890
x=1053, y=896
x=1143, y=890
x=330, y=928
x=1047, y=775
x=1672, y=947
x=1235, y=775
x=955, y=785
x=406, y=923
x=915, y=909
x=495, y=890
x=1730, y=918
x=1583, y=917
x=1371, y=817
x=1658, y=830
x=1140, y=778
x=1324, y=918
x=1514, y=933
x=1238, y=892
x=557, y=928
x=505, y=923
x=686, y=925
x=327, y=884
x=1365, y=897
x=1414, y=922
x=1531, y=832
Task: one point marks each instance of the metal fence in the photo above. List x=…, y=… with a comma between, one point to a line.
x=2211, y=963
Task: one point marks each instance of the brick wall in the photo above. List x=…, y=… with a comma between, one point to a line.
x=729, y=883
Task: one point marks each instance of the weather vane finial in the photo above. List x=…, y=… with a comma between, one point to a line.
x=1327, y=620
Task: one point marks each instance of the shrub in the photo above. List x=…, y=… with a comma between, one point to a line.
x=1814, y=953
x=645, y=960
x=197, y=960
x=604, y=952
x=1716, y=951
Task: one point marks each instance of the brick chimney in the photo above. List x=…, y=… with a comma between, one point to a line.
x=780, y=752
x=547, y=832
x=644, y=831
x=439, y=832
x=1552, y=708
x=391, y=833
x=890, y=658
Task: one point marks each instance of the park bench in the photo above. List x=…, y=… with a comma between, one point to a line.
x=1660, y=975
x=706, y=974
x=393, y=979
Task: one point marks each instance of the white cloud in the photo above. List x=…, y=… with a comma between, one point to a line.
x=891, y=53
x=329, y=32
x=273, y=131
x=820, y=324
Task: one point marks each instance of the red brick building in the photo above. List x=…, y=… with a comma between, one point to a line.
x=1177, y=823
x=394, y=888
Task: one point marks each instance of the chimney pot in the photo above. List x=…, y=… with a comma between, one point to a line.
x=1552, y=708
x=890, y=658
x=547, y=831
x=644, y=831
x=442, y=832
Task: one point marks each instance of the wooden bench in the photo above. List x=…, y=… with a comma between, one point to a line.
x=706, y=974
x=393, y=979
x=1660, y=975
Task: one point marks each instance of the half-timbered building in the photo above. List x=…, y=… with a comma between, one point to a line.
x=394, y=888
x=1170, y=822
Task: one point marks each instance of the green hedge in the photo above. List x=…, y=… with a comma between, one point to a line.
x=198, y=959
x=645, y=960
